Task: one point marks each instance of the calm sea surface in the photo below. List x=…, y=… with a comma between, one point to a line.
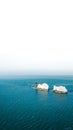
x=24, y=108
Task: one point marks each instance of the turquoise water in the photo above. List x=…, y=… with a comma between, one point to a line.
x=24, y=108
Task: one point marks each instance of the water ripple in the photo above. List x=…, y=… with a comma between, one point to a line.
x=24, y=108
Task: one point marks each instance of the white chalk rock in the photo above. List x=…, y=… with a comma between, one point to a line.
x=43, y=86
x=59, y=89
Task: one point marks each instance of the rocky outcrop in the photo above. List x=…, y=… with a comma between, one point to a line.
x=43, y=86
x=59, y=89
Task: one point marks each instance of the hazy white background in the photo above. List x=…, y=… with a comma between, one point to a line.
x=36, y=36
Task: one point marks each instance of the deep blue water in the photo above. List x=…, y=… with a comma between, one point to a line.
x=24, y=108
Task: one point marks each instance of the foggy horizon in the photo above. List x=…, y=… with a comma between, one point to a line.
x=36, y=37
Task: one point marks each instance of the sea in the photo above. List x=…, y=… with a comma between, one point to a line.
x=24, y=108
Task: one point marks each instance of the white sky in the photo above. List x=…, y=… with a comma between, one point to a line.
x=36, y=36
